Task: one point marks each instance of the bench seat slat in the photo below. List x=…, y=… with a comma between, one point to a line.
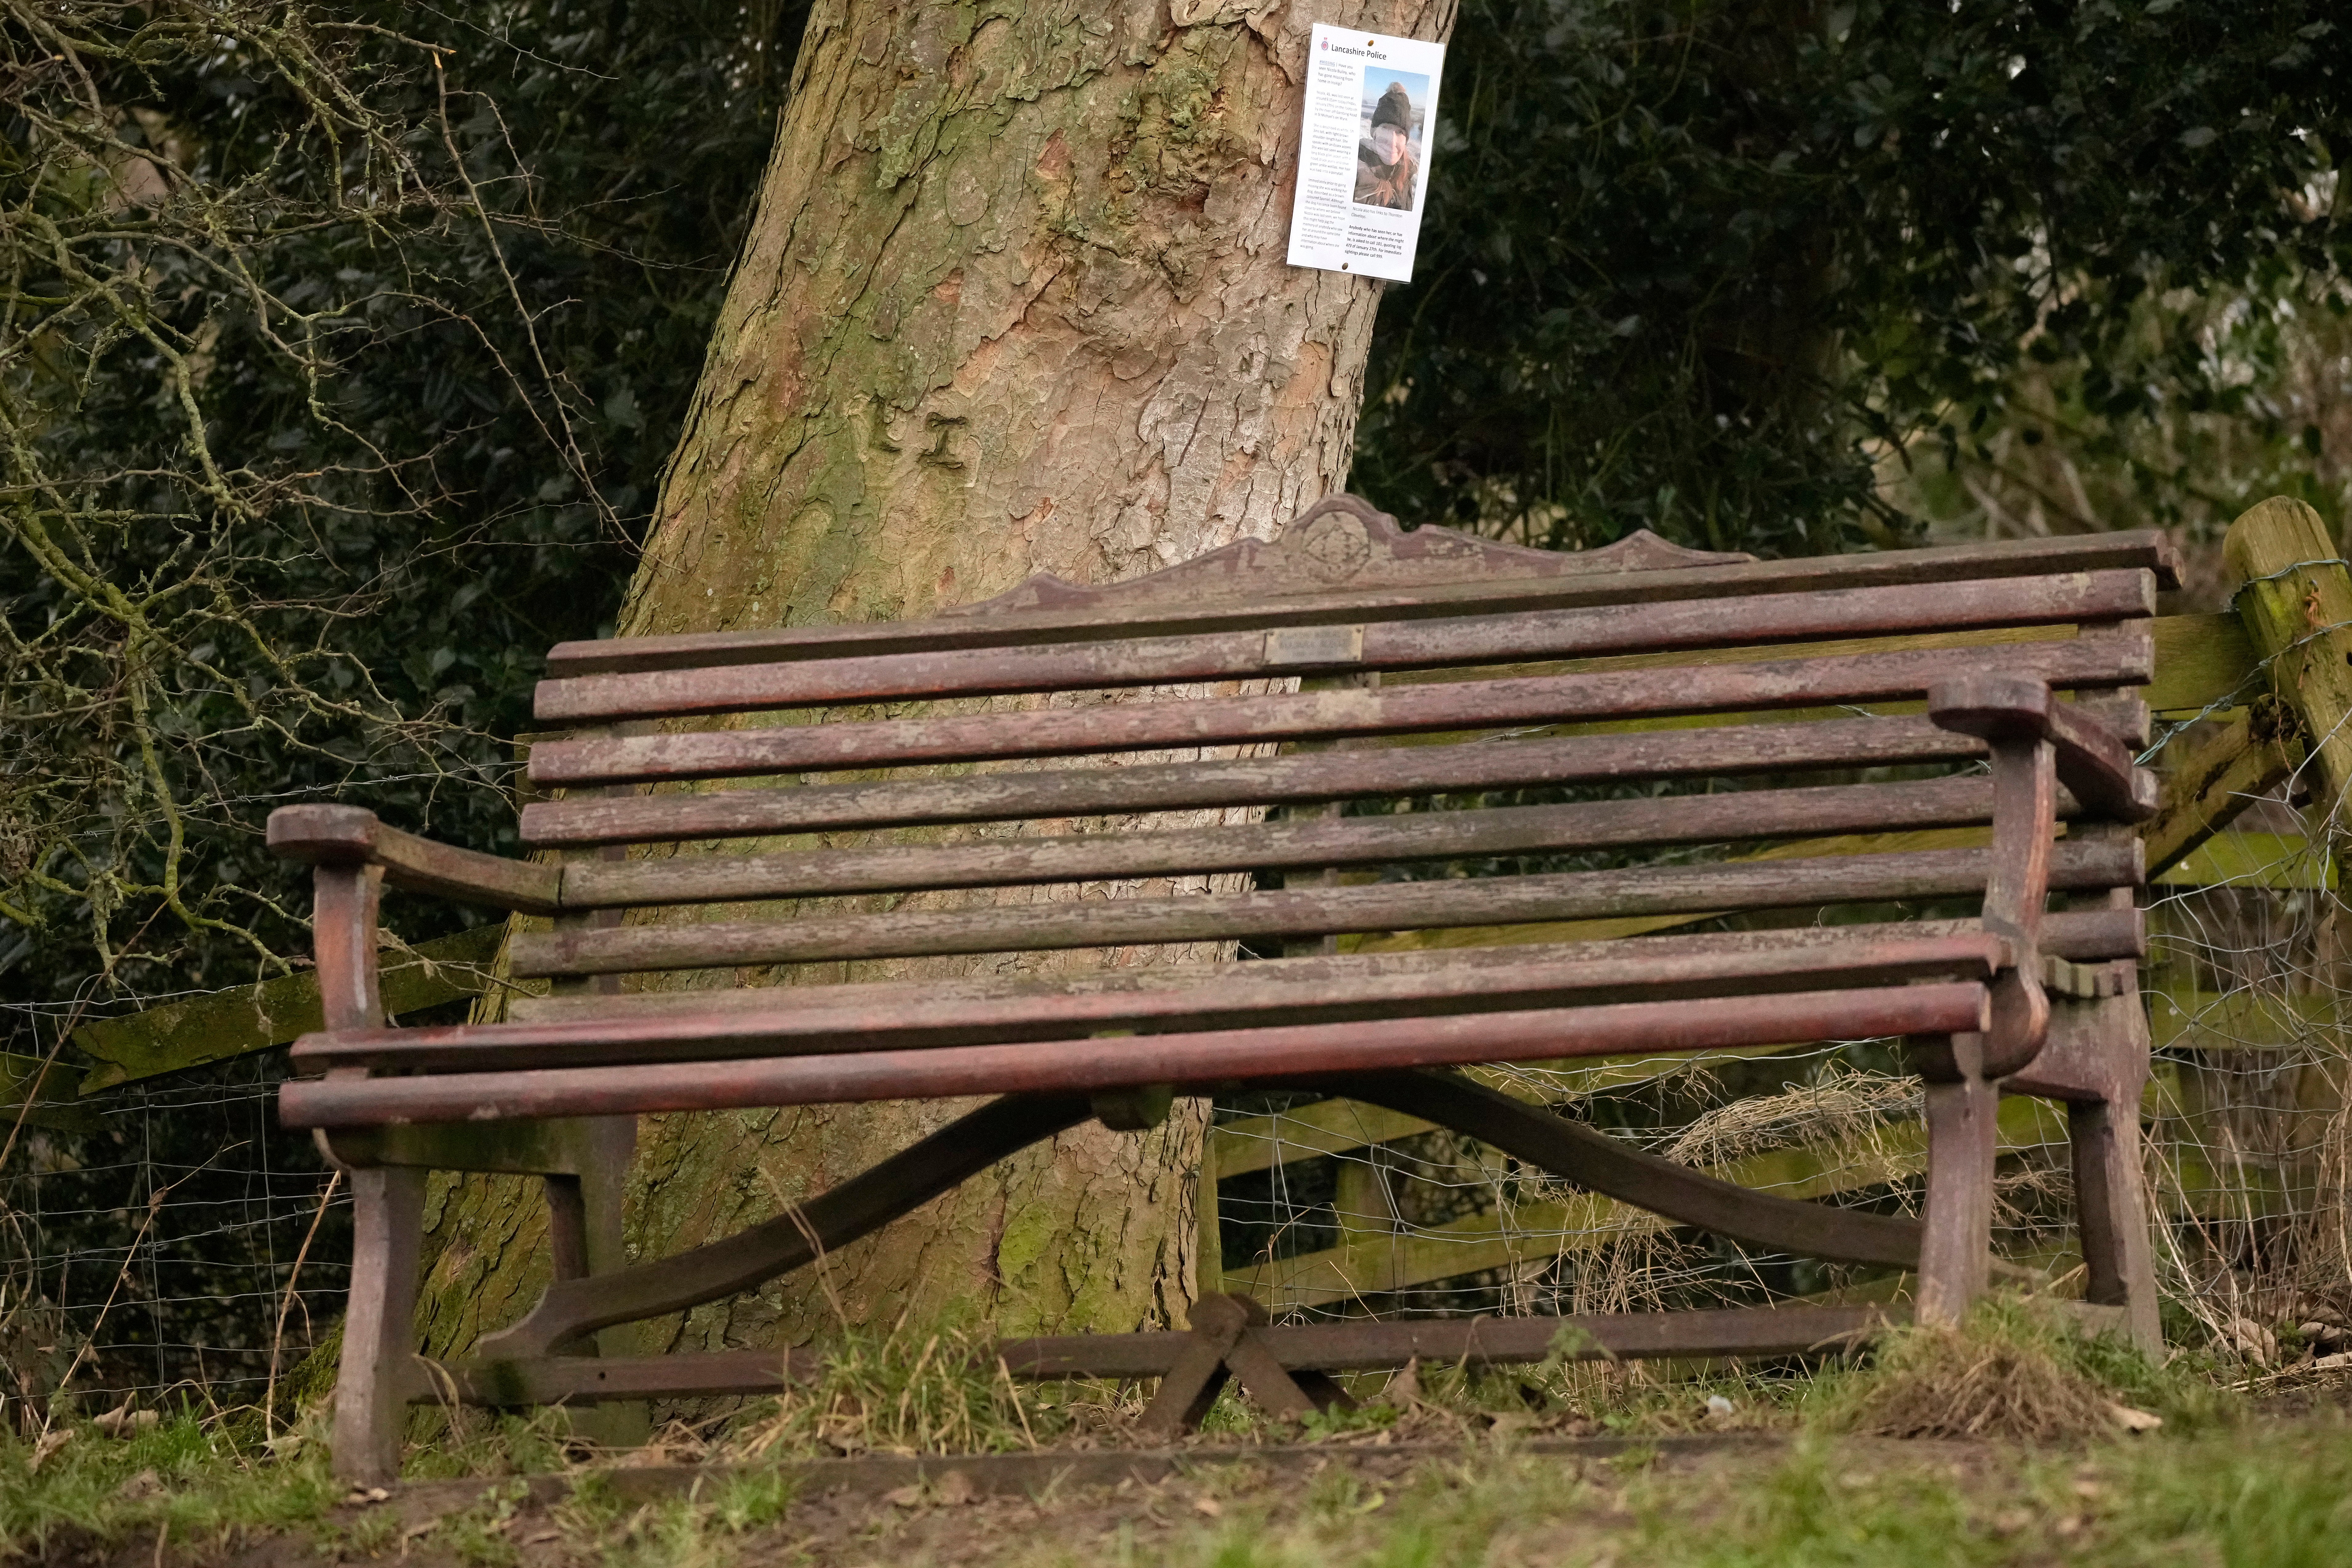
x=2105, y=658
x=2071, y=598
x=2086, y=936
x=1341, y=774
x=2142, y=550
x=1202, y=1058
x=1321, y=776
x=1294, y=913
x=800, y=1019
x=1292, y=845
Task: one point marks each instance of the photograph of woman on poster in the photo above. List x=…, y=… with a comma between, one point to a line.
x=1388, y=155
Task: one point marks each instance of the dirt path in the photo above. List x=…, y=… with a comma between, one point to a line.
x=1081, y=1508
x=2254, y=1489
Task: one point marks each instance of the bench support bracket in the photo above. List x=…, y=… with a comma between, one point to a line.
x=1227, y=1342
x=864, y=1203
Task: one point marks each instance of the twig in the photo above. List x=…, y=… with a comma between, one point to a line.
x=285, y=1303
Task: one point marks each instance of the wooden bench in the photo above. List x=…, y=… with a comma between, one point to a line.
x=1939, y=740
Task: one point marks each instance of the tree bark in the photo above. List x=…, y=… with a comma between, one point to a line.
x=1015, y=300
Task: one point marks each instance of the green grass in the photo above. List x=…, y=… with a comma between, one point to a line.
x=2219, y=1485
x=191, y=1476
x=709, y=1529
x=899, y=1393
x=486, y=1443
x=2277, y=1497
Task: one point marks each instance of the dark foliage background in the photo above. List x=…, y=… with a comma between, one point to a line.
x=1713, y=269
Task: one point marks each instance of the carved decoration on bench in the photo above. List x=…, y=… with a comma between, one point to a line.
x=1344, y=542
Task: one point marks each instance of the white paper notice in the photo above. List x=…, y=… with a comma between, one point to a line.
x=1363, y=152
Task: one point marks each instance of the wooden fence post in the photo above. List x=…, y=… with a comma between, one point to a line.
x=1209, y=1256
x=2296, y=599
x=2294, y=595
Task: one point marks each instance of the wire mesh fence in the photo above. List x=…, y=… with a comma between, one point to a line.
x=169, y=1241
x=167, y=1235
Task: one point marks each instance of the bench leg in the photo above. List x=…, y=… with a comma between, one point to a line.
x=584, y=1228
x=379, y=1325
x=2111, y=1213
x=1956, y=1252
x=2096, y=1062
x=2110, y=1182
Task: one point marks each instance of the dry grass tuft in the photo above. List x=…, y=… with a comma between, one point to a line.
x=2009, y=1374
x=1951, y=1386
x=1844, y=1104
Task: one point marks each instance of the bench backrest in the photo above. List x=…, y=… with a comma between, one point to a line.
x=1637, y=698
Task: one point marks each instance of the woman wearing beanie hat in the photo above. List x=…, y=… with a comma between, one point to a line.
x=1385, y=166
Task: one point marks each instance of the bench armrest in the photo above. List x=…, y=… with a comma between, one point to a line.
x=349, y=836
x=2094, y=760
x=2012, y=717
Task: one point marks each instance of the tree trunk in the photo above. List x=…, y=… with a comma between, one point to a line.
x=1013, y=301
